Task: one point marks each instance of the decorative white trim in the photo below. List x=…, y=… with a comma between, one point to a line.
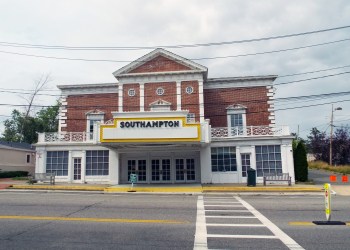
x=236, y=109
x=236, y=82
x=120, y=97
x=153, y=54
x=270, y=94
x=142, y=97
x=86, y=89
x=201, y=100
x=160, y=105
x=160, y=77
x=178, y=95
x=136, y=114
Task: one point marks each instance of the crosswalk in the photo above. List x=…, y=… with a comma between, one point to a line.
x=229, y=222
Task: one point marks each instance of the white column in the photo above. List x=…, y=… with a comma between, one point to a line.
x=178, y=95
x=142, y=97
x=205, y=162
x=83, y=165
x=40, y=163
x=70, y=166
x=120, y=97
x=201, y=100
x=113, y=167
x=287, y=160
x=239, y=163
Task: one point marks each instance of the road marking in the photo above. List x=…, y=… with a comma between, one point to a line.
x=301, y=223
x=240, y=205
x=234, y=225
x=288, y=241
x=223, y=202
x=230, y=211
x=230, y=217
x=108, y=220
x=239, y=236
x=200, y=239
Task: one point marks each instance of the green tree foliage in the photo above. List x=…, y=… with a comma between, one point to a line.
x=300, y=162
x=24, y=128
x=318, y=144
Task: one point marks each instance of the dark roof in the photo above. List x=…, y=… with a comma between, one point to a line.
x=20, y=145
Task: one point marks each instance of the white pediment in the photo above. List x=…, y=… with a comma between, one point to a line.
x=236, y=107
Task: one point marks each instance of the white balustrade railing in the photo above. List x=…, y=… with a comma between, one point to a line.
x=247, y=131
x=65, y=137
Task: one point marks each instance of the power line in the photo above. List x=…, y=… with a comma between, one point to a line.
x=193, y=59
x=42, y=46
x=315, y=71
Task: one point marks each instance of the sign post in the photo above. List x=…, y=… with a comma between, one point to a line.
x=327, y=200
x=133, y=179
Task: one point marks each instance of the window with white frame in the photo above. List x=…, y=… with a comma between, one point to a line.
x=57, y=162
x=223, y=159
x=268, y=159
x=97, y=162
x=92, y=118
x=191, y=118
x=160, y=91
x=236, y=119
x=189, y=90
x=131, y=92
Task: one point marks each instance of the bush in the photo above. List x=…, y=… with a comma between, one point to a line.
x=11, y=174
x=300, y=163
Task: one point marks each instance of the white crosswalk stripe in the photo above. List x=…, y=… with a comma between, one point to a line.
x=229, y=209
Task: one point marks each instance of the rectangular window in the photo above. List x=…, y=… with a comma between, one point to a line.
x=57, y=162
x=97, y=162
x=191, y=118
x=268, y=159
x=28, y=158
x=236, y=120
x=223, y=159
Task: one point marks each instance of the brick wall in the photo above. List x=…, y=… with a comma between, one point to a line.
x=160, y=64
x=190, y=101
x=131, y=103
x=78, y=105
x=254, y=98
x=169, y=94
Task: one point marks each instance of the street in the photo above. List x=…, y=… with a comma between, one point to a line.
x=42, y=220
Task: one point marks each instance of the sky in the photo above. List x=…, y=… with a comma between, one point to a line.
x=156, y=23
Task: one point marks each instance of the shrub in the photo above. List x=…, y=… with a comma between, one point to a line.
x=300, y=163
x=11, y=174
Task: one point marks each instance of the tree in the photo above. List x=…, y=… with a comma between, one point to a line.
x=23, y=128
x=318, y=144
x=300, y=163
x=341, y=146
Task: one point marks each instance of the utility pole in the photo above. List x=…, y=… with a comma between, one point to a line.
x=331, y=135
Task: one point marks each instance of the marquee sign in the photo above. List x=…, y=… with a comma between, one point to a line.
x=156, y=129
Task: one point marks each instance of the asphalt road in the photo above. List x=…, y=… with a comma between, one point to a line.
x=52, y=220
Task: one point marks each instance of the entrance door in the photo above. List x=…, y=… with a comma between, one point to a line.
x=77, y=168
x=185, y=170
x=138, y=167
x=160, y=170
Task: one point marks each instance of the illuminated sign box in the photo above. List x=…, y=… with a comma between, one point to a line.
x=159, y=129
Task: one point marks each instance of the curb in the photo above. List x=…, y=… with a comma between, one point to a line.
x=171, y=189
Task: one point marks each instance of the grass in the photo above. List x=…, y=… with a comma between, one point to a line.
x=342, y=169
x=20, y=178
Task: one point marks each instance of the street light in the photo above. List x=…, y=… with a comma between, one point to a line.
x=331, y=135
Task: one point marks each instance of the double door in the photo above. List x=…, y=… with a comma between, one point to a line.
x=138, y=167
x=185, y=170
x=160, y=170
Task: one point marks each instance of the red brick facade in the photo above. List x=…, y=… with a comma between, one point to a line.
x=254, y=98
x=131, y=103
x=79, y=105
x=169, y=94
x=190, y=102
x=160, y=64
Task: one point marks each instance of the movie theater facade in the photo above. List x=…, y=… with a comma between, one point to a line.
x=167, y=122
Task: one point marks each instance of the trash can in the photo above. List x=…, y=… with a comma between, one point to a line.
x=251, y=181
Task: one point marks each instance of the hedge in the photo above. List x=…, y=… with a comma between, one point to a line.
x=11, y=174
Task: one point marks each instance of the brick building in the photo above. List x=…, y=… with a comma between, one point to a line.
x=167, y=122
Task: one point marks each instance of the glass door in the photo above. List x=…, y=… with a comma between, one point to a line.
x=185, y=170
x=138, y=167
x=161, y=170
x=77, y=168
